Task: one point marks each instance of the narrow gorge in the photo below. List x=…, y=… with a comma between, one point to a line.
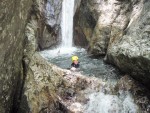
x=111, y=39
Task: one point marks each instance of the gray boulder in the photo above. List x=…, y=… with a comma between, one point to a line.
x=131, y=52
x=13, y=16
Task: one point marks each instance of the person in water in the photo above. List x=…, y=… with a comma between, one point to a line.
x=75, y=63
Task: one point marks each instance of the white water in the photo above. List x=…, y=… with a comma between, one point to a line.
x=61, y=51
x=102, y=103
x=66, y=46
x=67, y=23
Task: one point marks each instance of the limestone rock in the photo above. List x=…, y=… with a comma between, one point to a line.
x=48, y=87
x=47, y=15
x=99, y=21
x=131, y=52
x=50, y=31
x=84, y=24
x=118, y=29
x=13, y=16
x=41, y=85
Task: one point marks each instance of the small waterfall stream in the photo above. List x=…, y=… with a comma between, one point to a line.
x=99, y=102
x=66, y=46
x=67, y=23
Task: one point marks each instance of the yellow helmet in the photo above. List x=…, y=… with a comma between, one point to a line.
x=74, y=58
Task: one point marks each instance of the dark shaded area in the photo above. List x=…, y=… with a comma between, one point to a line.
x=18, y=97
x=24, y=107
x=59, y=108
x=83, y=22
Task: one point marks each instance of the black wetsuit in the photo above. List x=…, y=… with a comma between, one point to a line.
x=75, y=65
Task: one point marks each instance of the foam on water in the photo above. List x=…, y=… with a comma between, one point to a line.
x=105, y=103
x=66, y=46
x=61, y=51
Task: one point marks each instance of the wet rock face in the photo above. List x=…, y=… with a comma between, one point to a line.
x=103, y=20
x=131, y=52
x=84, y=24
x=47, y=15
x=13, y=16
x=118, y=29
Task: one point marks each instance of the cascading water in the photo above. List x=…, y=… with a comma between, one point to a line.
x=66, y=46
x=99, y=102
x=67, y=23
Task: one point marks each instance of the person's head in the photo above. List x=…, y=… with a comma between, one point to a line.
x=75, y=59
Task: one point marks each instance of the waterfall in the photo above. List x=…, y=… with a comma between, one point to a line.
x=67, y=23
x=66, y=46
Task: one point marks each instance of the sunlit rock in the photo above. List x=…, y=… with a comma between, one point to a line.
x=131, y=51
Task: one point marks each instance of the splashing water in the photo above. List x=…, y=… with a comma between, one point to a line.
x=106, y=103
x=99, y=102
x=66, y=46
x=67, y=23
x=57, y=52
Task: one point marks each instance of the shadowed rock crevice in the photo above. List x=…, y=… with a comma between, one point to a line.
x=84, y=24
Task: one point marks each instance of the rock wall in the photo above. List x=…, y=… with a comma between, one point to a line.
x=98, y=21
x=46, y=16
x=42, y=21
x=42, y=82
x=131, y=51
x=118, y=29
x=13, y=16
x=84, y=24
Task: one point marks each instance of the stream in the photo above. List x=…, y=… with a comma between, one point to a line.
x=105, y=100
